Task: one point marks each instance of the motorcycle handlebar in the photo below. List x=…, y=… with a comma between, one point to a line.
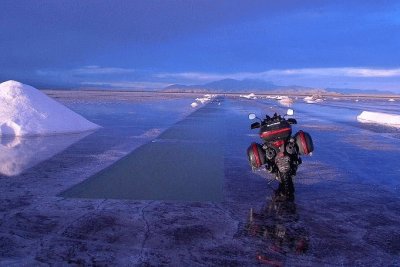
x=275, y=117
x=255, y=125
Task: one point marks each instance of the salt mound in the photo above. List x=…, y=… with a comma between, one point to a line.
x=203, y=100
x=313, y=99
x=285, y=101
x=25, y=111
x=249, y=96
x=379, y=118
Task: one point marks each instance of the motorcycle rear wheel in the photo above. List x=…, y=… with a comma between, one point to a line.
x=286, y=187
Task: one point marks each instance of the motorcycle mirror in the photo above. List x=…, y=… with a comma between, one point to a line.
x=252, y=116
x=290, y=112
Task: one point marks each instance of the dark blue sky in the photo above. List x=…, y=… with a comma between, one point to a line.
x=127, y=44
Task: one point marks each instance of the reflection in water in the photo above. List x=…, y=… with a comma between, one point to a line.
x=278, y=225
x=20, y=153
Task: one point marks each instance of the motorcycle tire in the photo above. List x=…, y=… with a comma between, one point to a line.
x=287, y=186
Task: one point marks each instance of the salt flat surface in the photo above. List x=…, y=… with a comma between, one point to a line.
x=346, y=210
x=128, y=119
x=179, y=169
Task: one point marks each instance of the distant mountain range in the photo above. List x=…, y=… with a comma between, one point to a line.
x=359, y=91
x=228, y=85
x=250, y=85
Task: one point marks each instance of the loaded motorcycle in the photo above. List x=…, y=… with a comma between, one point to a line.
x=280, y=152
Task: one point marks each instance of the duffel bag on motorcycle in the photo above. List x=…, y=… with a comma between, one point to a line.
x=304, y=142
x=256, y=155
x=274, y=131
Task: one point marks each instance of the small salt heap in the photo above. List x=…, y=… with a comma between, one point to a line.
x=202, y=100
x=379, y=118
x=249, y=96
x=285, y=101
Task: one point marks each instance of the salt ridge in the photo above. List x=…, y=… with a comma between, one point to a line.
x=379, y=118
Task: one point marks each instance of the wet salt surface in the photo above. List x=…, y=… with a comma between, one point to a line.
x=184, y=163
x=126, y=124
x=346, y=210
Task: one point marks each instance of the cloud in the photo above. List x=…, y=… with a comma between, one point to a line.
x=360, y=72
x=127, y=85
x=196, y=76
x=337, y=72
x=97, y=76
x=87, y=70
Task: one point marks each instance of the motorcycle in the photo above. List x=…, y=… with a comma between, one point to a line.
x=280, y=152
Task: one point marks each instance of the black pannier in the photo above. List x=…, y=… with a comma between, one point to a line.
x=304, y=143
x=275, y=131
x=256, y=155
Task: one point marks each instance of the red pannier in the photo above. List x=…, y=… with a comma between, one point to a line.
x=275, y=131
x=304, y=143
x=256, y=155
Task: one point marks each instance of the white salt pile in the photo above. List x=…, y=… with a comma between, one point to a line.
x=391, y=100
x=203, y=100
x=308, y=98
x=286, y=101
x=379, y=118
x=249, y=96
x=313, y=99
x=25, y=111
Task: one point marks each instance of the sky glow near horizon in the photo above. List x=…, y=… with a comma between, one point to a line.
x=152, y=44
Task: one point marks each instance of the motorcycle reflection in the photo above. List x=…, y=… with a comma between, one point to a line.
x=278, y=225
